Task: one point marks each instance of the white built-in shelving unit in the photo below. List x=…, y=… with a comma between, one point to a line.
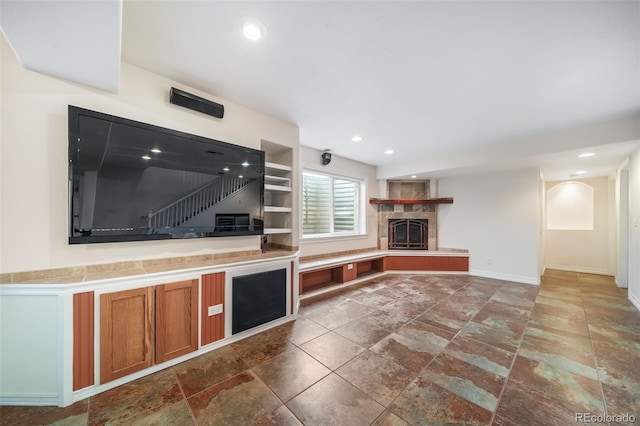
x=277, y=198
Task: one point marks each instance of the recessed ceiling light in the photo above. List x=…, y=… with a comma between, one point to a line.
x=226, y=169
x=245, y=164
x=240, y=176
x=146, y=157
x=356, y=138
x=253, y=29
x=580, y=172
x=587, y=154
x=156, y=150
x=389, y=151
x=413, y=176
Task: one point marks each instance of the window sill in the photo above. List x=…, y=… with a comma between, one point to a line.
x=331, y=238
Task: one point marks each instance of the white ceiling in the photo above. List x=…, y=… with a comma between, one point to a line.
x=451, y=87
x=77, y=41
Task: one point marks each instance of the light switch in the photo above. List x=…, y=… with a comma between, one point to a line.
x=349, y=266
x=214, y=310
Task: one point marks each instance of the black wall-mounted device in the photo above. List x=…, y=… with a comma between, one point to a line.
x=326, y=158
x=196, y=103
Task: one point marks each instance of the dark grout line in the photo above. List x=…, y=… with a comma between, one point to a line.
x=184, y=395
x=513, y=361
x=593, y=354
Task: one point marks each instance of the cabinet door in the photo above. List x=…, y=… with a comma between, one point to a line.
x=126, y=332
x=83, y=340
x=212, y=294
x=176, y=319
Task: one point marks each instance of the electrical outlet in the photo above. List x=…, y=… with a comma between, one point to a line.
x=489, y=260
x=214, y=310
x=349, y=266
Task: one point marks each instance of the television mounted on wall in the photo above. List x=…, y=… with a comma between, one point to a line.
x=132, y=181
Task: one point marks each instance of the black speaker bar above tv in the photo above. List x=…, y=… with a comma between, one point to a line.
x=196, y=103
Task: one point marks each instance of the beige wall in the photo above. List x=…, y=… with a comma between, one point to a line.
x=583, y=250
x=33, y=165
x=496, y=217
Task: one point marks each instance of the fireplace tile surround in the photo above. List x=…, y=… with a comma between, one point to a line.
x=412, y=190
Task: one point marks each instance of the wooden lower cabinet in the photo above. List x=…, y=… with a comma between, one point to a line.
x=176, y=319
x=147, y=325
x=126, y=332
x=83, y=340
x=212, y=294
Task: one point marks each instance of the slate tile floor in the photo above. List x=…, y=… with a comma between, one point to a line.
x=398, y=350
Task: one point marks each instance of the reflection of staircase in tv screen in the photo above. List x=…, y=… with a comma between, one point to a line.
x=188, y=207
x=232, y=222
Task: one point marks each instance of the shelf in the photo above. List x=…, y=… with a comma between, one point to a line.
x=315, y=279
x=277, y=209
x=277, y=230
x=277, y=178
x=278, y=196
x=275, y=166
x=277, y=181
x=271, y=187
x=409, y=201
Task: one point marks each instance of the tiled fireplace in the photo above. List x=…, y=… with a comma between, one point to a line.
x=425, y=213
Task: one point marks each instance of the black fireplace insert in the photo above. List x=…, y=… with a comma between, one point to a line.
x=408, y=234
x=258, y=299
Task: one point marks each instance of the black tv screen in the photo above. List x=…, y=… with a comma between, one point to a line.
x=131, y=181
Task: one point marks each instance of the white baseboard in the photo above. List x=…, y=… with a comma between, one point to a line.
x=635, y=300
x=506, y=277
x=33, y=400
x=618, y=283
x=582, y=269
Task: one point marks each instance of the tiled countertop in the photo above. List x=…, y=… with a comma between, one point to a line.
x=80, y=274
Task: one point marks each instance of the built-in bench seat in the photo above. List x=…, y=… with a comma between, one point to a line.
x=317, y=276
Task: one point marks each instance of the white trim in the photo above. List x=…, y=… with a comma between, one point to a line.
x=634, y=300
x=29, y=399
x=277, y=209
x=331, y=238
x=276, y=166
x=618, y=283
x=65, y=350
x=271, y=187
x=270, y=231
x=583, y=269
x=506, y=277
x=228, y=292
x=426, y=253
x=199, y=312
x=334, y=261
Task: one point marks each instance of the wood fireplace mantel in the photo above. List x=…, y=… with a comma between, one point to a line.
x=448, y=200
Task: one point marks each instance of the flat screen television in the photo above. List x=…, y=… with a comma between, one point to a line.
x=131, y=181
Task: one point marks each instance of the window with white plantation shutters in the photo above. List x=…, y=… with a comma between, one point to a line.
x=331, y=205
x=316, y=204
x=345, y=205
